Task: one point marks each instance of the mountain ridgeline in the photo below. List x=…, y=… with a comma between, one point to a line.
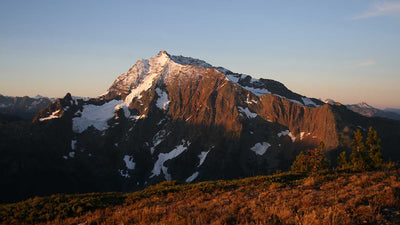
x=24, y=108
x=175, y=118
x=369, y=111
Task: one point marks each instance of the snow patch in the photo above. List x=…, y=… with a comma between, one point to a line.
x=163, y=157
x=247, y=112
x=129, y=162
x=145, y=85
x=73, y=144
x=295, y=101
x=233, y=78
x=283, y=133
x=161, y=122
x=364, y=105
x=124, y=106
x=257, y=91
x=292, y=136
x=287, y=132
x=137, y=117
x=52, y=116
x=192, y=177
x=124, y=173
x=303, y=134
x=162, y=101
x=309, y=102
x=190, y=61
x=158, y=138
x=292, y=100
x=260, y=148
x=71, y=154
x=202, y=157
x=96, y=116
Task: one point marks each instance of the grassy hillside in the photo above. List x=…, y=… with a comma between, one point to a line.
x=286, y=198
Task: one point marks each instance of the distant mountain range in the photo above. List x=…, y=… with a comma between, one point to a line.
x=392, y=110
x=367, y=110
x=173, y=118
x=23, y=107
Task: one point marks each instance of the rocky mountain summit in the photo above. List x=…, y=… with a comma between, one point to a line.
x=178, y=118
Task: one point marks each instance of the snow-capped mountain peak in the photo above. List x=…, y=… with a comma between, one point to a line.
x=171, y=69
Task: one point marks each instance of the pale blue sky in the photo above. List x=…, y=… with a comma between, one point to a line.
x=345, y=50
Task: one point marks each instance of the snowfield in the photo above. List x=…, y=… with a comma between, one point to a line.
x=96, y=116
x=163, y=157
x=162, y=101
x=129, y=162
x=260, y=148
x=246, y=112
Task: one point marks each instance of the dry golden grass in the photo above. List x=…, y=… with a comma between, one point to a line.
x=333, y=198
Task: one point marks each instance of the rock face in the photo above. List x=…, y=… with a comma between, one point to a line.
x=177, y=118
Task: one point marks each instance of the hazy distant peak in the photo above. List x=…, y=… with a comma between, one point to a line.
x=365, y=105
x=330, y=101
x=38, y=96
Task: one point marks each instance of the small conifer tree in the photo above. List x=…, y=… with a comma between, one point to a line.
x=342, y=161
x=359, y=157
x=311, y=160
x=365, y=156
x=300, y=164
x=374, y=148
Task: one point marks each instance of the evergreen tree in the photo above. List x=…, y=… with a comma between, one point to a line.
x=359, y=157
x=300, y=164
x=342, y=161
x=311, y=160
x=374, y=148
x=319, y=160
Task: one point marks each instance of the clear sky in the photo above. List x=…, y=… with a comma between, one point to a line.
x=345, y=50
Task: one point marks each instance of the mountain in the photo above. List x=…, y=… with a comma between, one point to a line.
x=392, y=110
x=174, y=118
x=369, y=111
x=22, y=107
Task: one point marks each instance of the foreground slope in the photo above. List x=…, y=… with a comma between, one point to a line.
x=330, y=198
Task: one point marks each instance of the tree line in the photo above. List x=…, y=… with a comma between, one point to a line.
x=364, y=156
